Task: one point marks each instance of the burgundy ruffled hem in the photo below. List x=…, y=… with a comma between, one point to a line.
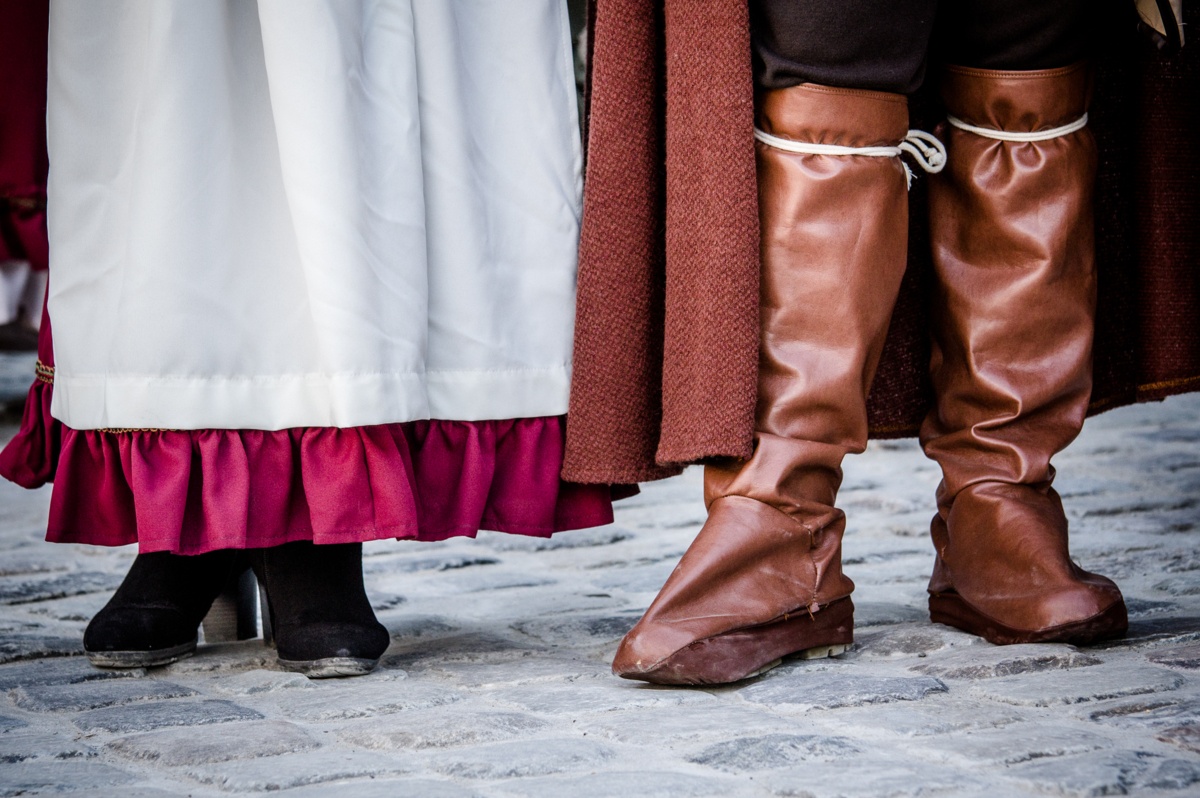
x=189, y=492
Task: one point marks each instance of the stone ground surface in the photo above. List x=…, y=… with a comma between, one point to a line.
x=497, y=680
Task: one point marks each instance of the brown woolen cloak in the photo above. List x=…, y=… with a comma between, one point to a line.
x=666, y=348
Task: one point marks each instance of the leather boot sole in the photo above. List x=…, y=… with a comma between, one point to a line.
x=745, y=653
x=951, y=609
x=330, y=668
x=123, y=660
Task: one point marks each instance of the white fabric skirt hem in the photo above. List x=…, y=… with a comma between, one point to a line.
x=307, y=400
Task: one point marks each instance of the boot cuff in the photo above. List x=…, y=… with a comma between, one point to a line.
x=1015, y=101
x=826, y=115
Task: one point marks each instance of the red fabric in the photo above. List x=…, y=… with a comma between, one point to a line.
x=190, y=492
x=23, y=30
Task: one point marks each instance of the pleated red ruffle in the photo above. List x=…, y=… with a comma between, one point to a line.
x=190, y=492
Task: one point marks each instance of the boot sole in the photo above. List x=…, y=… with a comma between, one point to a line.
x=331, y=667
x=749, y=652
x=951, y=609
x=123, y=660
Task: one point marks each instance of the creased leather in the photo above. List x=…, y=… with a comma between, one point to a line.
x=834, y=231
x=1012, y=232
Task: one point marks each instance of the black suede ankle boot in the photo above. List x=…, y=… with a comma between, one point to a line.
x=152, y=618
x=321, y=619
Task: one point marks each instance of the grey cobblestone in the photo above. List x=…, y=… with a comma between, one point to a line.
x=522, y=758
x=442, y=728
x=42, y=777
x=160, y=715
x=274, y=773
x=183, y=746
x=1047, y=688
x=86, y=695
x=840, y=687
x=497, y=681
x=752, y=754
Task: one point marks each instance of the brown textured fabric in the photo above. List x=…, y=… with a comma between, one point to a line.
x=1013, y=318
x=706, y=329
x=640, y=408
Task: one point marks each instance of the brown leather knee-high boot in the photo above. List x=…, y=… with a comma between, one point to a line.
x=763, y=578
x=1012, y=231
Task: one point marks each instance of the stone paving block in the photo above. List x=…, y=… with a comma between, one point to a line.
x=1012, y=746
x=71, y=776
x=1100, y=773
x=406, y=627
x=298, y=770
x=466, y=646
x=1141, y=608
x=384, y=787
x=634, y=578
x=15, y=647
x=987, y=662
x=146, y=717
x=62, y=670
x=441, y=728
x=877, y=613
x=1149, y=711
x=226, y=658
x=22, y=590
x=1185, y=737
x=183, y=746
x=653, y=728
x=331, y=702
x=7, y=724
x=799, y=688
x=585, y=629
x=575, y=539
x=773, y=751
x=1173, y=774
x=17, y=563
x=530, y=667
x=25, y=745
x=261, y=681
x=95, y=694
x=1186, y=657
x=881, y=777
x=72, y=609
x=1048, y=688
x=520, y=759
x=909, y=641
x=478, y=580
x=576, y=698
x=950, y=715
x=648, y=784
x=1157, y=630
x=409, y=565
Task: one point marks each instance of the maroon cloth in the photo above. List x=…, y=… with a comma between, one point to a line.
x=23, y=30
x=666, y=350
x=189, y=492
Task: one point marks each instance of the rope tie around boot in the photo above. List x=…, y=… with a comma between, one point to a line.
x=924, y=148
x=1019, y=136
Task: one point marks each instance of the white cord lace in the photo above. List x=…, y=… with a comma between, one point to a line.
x=925, y=149
x=1009, y=135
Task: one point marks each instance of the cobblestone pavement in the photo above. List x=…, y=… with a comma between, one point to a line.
x=497, y=681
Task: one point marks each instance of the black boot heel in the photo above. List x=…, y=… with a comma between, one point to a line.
x=233, y=615
x=317, y=609
x=153, y=617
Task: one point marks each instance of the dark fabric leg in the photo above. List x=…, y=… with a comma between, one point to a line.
x=854, y=44
x=883, y=44
x=1013, y=34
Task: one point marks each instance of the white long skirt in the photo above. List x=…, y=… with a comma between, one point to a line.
x=268, y=214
